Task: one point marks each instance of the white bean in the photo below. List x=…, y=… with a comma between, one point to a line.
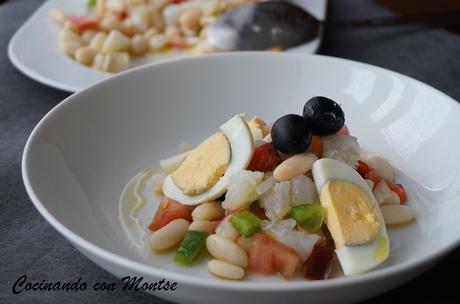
x=226, y=250
x=397, y=214
x=225, y=270
x=170, y=235
x=116, y=6
x=139, y=45
x=97, y=42
x=98, y=61
x=70, y=47
x=160, y=4
x=116, y=42
x=68, y=25
x=172, y=31
x=190, y=19
x=158, y=42
x=150, y=33
x=293, y=166
x=86, y=36
x=67, y=35
x=85, y=55
x=209, y=211
x=57, y=15
x=128, y=27
x=116, y=62
x=110, y=23
x=157, y=20
x=206, y=226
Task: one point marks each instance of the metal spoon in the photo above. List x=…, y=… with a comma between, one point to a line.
x=263, y=25
x=259, y=26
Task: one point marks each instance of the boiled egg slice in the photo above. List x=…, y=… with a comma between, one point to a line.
x=352, y=216
x=241, y=145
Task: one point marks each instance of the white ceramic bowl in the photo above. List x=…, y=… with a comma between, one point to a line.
x=82, y=154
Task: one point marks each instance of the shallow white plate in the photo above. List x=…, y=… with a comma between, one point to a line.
x=81, y=155
x=49, y=65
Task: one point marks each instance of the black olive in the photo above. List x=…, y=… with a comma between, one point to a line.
x=324, y=115
x=291, y=134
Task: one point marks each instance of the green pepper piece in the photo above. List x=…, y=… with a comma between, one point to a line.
x=91, y=4
x=246, y=223
x=190, y=247
x=310, y=217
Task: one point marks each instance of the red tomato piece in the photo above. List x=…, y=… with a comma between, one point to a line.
x=398, y=189
x=316, y=146
x=319, y=263
x=264, y=159
x=363, y=168
x=267, y=256
x=343, y=131
x=177, y=42
x=83, y=23
x=168, y=211
x=373, y=177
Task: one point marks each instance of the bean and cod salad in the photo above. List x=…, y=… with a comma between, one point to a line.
x=113, y=32
x=293, y=198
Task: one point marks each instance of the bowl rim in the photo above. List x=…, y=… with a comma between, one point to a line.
x=266, y=286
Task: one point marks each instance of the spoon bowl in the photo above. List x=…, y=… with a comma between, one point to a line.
x=262, y=26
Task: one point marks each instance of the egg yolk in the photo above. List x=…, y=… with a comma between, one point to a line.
x=350, y=214
x=204, y=166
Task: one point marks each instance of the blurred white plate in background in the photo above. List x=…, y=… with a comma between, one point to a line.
x=34, y=48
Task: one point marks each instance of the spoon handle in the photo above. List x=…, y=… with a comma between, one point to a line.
x=436, y=19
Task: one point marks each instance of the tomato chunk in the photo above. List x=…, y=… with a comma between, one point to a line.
x=319, y=263
x=343, y=131
x=83, y=23
x=373, y=177
x=264, y=159
x=316, y=146
x=363, y=168
x=268, y=256
x=398, y=189
x=177, y=42
x=168, y=211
